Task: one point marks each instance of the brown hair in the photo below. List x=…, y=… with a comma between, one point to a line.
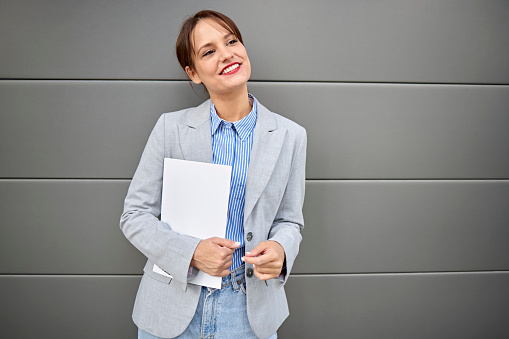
x=184, y=46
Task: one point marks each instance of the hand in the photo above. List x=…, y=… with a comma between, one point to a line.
x=214, y=256
x=267, y=259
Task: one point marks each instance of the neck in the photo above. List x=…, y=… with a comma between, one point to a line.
x=232, y=106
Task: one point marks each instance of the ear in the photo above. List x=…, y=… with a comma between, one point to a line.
x=193, y=75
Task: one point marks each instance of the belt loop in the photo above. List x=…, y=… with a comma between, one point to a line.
x=235, y=284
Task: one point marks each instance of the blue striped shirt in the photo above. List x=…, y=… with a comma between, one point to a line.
x=231, y=145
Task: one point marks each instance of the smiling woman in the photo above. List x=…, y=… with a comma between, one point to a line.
x=210, y=49
x=220, y=61
x=267, y=154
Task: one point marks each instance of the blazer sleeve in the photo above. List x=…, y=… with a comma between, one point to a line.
x=140, y=222
x=289, y=220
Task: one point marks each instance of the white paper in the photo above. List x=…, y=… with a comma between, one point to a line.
x=195, y=202
x=158, y=269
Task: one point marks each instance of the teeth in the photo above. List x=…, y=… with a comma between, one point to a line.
x=231, y=68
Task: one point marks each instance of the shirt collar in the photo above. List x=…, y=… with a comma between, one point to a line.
x=243, y=127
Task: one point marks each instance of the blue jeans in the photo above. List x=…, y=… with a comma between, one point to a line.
x=221, y=313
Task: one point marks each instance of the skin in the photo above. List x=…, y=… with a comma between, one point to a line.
x=267, y=259
x=214, y=49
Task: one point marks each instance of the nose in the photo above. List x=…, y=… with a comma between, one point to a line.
x=226, y=54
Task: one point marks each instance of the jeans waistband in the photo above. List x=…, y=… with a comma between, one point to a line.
x=236, y=275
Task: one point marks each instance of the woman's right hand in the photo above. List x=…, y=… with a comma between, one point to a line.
x=214, y=256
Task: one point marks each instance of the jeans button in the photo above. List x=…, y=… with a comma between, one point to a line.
x=249, y=236
x=249, y=272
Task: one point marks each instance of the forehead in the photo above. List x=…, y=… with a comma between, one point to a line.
x=207, y=30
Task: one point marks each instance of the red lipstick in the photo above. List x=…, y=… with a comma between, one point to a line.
x=232, y=71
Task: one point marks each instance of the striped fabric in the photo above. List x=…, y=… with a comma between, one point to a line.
x=231, y=145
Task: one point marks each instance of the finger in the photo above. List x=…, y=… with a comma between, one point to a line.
x=221, y=270
x=253, y=260
x=263, y=276
x=224, y=252
x=260, y=260
x=227, y=264
x=267, y=270
x=220, y=267
x=275, y=264
x=225, y=273
x=226, y=243
x=259, y=249
x=216, y=273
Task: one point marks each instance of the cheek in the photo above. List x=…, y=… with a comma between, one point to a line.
x=246, y=60
x=248, y=64
x=201, y=71
x=209, y=67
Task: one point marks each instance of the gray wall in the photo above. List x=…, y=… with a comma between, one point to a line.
x=406, y=104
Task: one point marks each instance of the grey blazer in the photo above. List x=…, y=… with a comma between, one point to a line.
x=273, y=210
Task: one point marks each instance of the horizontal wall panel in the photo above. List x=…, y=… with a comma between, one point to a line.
x=440, y=306
x=374, y=131
x=65, y=227
x=71, y=227
x=360, y=306
x=405, y=226
x=97, y=129
x=85, y=129
x=67, y=307
x=382, y=41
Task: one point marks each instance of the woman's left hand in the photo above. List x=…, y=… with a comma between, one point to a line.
x=267, y=259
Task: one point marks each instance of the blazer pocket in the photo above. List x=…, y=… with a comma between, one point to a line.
x=154, y=275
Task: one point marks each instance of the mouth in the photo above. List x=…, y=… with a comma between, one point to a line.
x=230, y=69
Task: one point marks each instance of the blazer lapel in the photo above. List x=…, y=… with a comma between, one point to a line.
x=267, y=144
x=196, y=144
x=195, y=136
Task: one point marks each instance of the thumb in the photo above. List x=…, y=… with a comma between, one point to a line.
x=227, y=243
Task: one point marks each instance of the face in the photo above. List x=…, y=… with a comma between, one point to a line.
x=220, y=60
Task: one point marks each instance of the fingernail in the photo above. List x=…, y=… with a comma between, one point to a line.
x=242, y=259
x=248, y=253
x=237, y=243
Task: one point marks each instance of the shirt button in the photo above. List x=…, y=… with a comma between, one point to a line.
x=249, y=272
x=249, y=236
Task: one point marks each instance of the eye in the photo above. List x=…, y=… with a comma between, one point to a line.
x=209, y=52
x=232, y=42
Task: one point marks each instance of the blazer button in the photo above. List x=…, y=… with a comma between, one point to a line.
x=249, y=272
x=249, y=236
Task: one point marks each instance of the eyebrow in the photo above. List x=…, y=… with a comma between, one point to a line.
x=226, y=36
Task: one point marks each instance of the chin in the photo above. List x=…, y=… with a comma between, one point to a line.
x=238, y=83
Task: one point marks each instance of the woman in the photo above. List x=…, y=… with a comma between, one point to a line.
x=267, y=155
